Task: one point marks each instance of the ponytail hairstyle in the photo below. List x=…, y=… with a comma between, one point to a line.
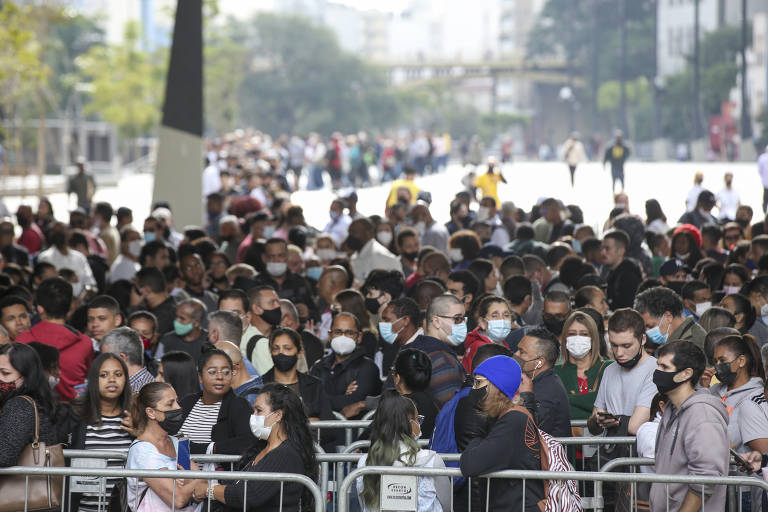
x=745, y=345
x=149, y=396
x=391, y=440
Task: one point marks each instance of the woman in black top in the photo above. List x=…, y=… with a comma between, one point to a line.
x=22, y=374
x=216, y=415
x=512, y=441
x=284, y=446
x=412, y=373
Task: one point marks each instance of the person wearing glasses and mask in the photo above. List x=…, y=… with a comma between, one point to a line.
x=216, y=415
x=537, y=353
x=348, y=376
x=445, y=329
x=395, y=429
x=494, y=323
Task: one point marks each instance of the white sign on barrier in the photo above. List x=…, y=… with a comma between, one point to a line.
x=399, y=493
x=90, y=484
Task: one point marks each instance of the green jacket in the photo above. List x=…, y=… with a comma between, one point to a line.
x=581, y=405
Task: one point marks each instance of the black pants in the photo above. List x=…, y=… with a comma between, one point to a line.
x=765, y=199
x=572, y=168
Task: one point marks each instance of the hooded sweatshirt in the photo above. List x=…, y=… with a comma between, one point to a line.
x=75, y=353
x=692, y=441
x=434, y=492
x=746, y=408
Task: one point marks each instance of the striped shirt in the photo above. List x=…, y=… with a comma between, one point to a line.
x=198, y=425
x=140, y=379
x=107, y=436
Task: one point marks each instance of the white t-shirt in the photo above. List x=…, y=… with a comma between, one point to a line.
x=729, y=203
x=622, y=390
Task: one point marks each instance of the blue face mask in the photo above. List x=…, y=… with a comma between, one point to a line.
x=269, y=231
x=149, y=237
x=385, y=330
x=314, y=273
x=458, y=333
x=656, y=336
x=498, y=330
x=576, y=244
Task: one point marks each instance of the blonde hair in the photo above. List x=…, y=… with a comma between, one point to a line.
x=587, y=321
x=495, y=402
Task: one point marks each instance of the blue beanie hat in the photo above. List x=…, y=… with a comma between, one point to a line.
x=503, y=372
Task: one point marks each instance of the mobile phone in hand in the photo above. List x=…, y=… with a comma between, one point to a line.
x=182, y=453
x=607, y=415
x=746, y=466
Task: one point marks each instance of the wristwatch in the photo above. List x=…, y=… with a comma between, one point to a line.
x=210, y=492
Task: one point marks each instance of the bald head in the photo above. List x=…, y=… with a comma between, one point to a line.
x=436, y=264
x=232, y=350
x=362, y=229
x=425, y=291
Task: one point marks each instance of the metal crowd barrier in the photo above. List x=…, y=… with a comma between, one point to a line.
x=175, y=474
x=598, y=477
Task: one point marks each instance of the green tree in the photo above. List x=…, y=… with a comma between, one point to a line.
x=23, y=73
x=125, y=85
x=299, y=80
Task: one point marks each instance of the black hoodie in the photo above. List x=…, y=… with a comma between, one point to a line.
x=622, y=285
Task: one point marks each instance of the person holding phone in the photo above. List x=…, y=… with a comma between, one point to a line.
x=157, y=416
x=102, y=408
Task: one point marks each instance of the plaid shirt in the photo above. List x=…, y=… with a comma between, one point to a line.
x=140, y=379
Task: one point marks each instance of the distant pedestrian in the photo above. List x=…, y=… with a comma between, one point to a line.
x=82, y=185
x=617, y=153
x=762, y=169
x=574, y=153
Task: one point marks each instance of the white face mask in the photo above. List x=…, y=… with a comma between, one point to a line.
x=455, y=255
x=578, y=346
x=483, y=213
x=420, y=227
x=276, y=268
x=325, y=254
x=343, y=345
x=53, y=381
x=730, y=290
x=702, y=307
x=384, y=237
x=134, y=248
x=258, y=428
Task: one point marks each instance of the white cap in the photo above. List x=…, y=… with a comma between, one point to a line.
x=163, y=214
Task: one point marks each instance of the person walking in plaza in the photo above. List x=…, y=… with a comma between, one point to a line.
x=617, y=153
x=762, y=169
x=82, y=185
x=574, y=154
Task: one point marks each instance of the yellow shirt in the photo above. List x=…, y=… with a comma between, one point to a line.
x=488, y=184
x=402, y=183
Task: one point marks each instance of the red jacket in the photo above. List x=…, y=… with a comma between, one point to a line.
x=75, y=353
x=473, y=341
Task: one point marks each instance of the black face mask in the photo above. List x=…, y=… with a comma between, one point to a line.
x=632, y=362
x=272, y=316
x=173, y=421
x=725, y=374
x=410, y=256
x=283, y=362
x=665, y=381
x=742, y=222
x=676, y=286
x=477, y=396
x=372, y=305
x=553, y=324
x=354, y=243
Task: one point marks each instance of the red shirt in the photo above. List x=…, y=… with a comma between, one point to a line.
x=32, y=238
x=75, y=353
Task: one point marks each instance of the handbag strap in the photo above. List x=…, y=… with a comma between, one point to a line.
x=36, y=438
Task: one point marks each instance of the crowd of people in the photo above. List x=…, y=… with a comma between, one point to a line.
x=486, y=335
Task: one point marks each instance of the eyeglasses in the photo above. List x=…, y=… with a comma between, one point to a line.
x=338, y=332
x=419, y=419
x=457, y=319
x=187, y=268
x=224, y=372
x=479, y=382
